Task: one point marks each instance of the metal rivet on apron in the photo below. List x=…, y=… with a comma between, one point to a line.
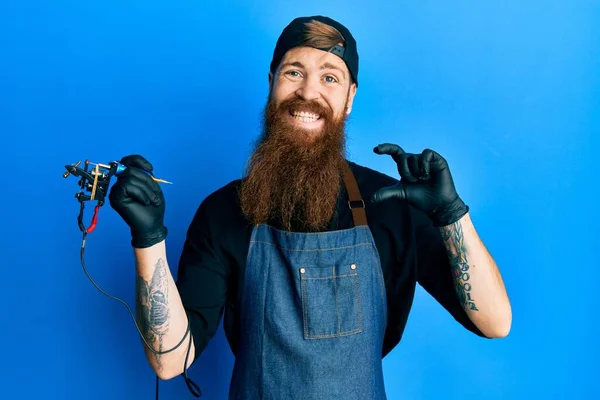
x=353, y=266
x=302, y=270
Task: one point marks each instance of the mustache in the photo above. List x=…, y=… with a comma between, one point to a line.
x=312, y=106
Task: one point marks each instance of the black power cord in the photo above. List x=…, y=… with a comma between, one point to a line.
x=193, y=387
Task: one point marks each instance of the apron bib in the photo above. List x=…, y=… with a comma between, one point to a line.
x=313, y=314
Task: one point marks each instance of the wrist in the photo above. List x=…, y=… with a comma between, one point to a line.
x=149, y=255
x=143, y=241
x=449, y=213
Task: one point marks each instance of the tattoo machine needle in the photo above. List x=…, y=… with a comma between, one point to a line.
x=120, y=168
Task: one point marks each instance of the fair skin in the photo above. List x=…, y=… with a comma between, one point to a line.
x=154, y=276
x=315, y=75
x=479, y=284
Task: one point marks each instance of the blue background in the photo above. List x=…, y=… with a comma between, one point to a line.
x=508, y=92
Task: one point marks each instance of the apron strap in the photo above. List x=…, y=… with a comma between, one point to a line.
x=355, y=202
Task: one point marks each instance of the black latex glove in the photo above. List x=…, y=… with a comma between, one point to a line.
x=426, y=184
x=140, y=202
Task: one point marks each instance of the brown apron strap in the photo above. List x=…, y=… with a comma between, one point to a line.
x=355, y=202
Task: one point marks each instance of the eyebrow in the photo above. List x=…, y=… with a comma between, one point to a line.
x=326, y=65
x=329, y=65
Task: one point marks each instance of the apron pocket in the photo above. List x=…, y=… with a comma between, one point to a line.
x=331, y=304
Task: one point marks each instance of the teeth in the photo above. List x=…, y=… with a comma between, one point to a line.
x=305, y=116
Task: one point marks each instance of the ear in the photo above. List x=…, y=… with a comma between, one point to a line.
x=351, y=94
x=270, y=80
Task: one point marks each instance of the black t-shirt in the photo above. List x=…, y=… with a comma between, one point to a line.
x=411, y=249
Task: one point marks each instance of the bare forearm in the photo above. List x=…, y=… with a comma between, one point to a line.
x=160, y=313
x=478, y=282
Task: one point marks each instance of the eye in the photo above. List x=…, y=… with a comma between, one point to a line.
x=293, y=73
x=330, y=79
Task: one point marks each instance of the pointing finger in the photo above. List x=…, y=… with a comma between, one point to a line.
x=398, y=154
x=389, y=148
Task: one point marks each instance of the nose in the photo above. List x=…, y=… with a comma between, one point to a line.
x=308, y=90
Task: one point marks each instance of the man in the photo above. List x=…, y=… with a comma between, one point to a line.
x=312, y=259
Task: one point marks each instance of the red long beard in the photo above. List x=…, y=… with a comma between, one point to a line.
x=293, y=177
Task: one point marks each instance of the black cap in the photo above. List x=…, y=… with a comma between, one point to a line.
x=293, y=36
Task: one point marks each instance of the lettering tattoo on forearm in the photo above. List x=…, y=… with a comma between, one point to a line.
x=454, y=241
x=153, y=307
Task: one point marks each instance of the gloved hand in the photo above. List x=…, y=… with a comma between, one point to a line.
x=140, y=202
x=426, y=183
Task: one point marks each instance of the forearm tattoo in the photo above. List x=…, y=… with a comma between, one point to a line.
x=153, y=308
x=454, y=241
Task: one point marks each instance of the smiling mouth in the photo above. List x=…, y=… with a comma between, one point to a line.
x=305, y=116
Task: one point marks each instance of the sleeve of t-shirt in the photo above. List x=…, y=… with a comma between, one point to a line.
x=434, y=273
x=202, y=279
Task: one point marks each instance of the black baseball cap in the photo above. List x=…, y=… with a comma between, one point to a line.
x=293, y=36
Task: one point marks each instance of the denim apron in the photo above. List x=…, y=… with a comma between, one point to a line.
x=313, y=314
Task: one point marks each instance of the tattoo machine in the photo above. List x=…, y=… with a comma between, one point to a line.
x=94, y=183
x=95, y=180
